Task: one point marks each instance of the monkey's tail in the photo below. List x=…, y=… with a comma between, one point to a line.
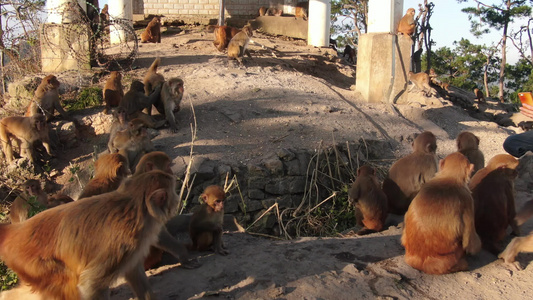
x=525, y=213
x=155, y=64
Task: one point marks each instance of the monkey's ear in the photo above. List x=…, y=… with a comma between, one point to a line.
x=441, y=164
x=470, y=169
x=156, y=203
x=203, y=199
x=477, y=140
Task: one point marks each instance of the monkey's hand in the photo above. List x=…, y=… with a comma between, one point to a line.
x=190, y=263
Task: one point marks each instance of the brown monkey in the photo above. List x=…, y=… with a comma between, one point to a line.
x=133, y=142
x=439, y=224
x=169, y=101
x=409, y=173
x=120, y=123
x=468, y=144
x=350, y=52
x=223, y=35
x=25, y=131
x=407, y=23
x=421, y=81
x=273, y=11
x=76, y=250
x=238, y=45
x=494, y=205
x=446, y=86
x=109, y=171
x=58, y=199
x=113, y=92
x=32, y=195
x=158, y=160
x=46, y=99
x=478, y=95
x=300, y=11
x=370, y=201
x=262, y=11
x=517, y=245
x=152, y=33
x=135, y=101
x=206, y=222
x=152, y=79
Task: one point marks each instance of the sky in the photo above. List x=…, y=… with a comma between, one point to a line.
x=450, y=24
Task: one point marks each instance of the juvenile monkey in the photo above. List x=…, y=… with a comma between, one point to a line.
x=135, y=101
x=133, y=142
x=370, y=201
x=205, y=229
x=439, y=224
x=421, y=80
x=77, y=250
x=350, y=52
x=494, y=205
x=223, y=35
x=32, y=194
x=169, y=101
x=120, y=123
x=25, y=131
x=113, y=92
x=407, y=23
x=109, y=171
x=46, y=99
x=238, y=45
x=408, y=174
x=468, y=145
x=152, y=33
x=152, y=79
x=479, y=96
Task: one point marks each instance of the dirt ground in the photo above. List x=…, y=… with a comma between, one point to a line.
x=298, y=99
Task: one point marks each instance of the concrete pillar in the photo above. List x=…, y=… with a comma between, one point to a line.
x=120, y=9
x=383, y=58
x=319, y=20
x=55, y=8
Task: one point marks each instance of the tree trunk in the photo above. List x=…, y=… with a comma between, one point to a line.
x=504, y=51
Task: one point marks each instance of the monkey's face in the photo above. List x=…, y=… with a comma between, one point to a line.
x=411, y=11
x=39, y=122
x=33, y=189
x=176, y=86
x=218, y=205
x=52, y=81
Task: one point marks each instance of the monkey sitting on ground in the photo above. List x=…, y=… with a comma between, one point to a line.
x=169, y=101
x=133, y=142
x=109, y=171
x=350, y=52
x=439, y=224
x=152, y=79
x=135, y=101
x=77, y=250
x=238, y=45
x=120, y=123
x=152, y=33
x=421, y=81
x=408, y=174
x=494, y=205
x=32, y=195
x=223, y=35
x=370, y=201
x=468, y=145
x=25, y=131
x=407, y=23
x=158, y=160
x=205, y=229
x=46, y=99
x=113, y=92
x=478, y=95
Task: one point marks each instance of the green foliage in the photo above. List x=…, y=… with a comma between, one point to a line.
x=520, y=79
x=88, y=97
x=35, y=207
x=349, y=17
x=7, y=276
x=335, y=217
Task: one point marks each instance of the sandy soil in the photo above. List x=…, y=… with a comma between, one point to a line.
x=296, y=100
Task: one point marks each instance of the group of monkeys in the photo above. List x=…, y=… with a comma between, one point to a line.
x=451, y=208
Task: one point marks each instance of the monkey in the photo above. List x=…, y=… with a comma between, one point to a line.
x=478, y=95
x=432, y=74
x=32, y=195
x=525, y=213
x=238, y=45
x=158, y=160
x=408, y=174
x=421, y=81
x=300, y=11
x=120, y=123
x=152, y=79
x=273, y=11
x=439, y=224
x=445, y=86
x=517, y=245
x=152, y=33
x=223, y=35
x=58, y=199
x=109, y=171
x=169, y=101
x=104, y=14
x=262, y=11
x=135, y=101
x=113, y=92
x=407, y=23
x=133, y=142
x=25, y=131
x=46, y=99
x=369, y=199
x=76, y=250
x=205, y=228
x=350, y=52
x=494, y=205
x=468, y=144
